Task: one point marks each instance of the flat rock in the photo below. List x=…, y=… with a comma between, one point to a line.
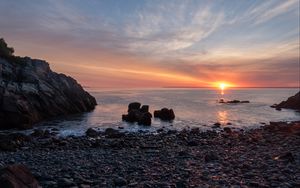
x=17, y=176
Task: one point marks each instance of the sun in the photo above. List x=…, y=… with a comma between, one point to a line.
x=222, y=86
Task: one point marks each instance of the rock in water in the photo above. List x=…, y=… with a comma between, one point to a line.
x=31, y=92
x=138, y=114
x=134, y=106
x=17, y=176
x=164, y=114
x=292, y=102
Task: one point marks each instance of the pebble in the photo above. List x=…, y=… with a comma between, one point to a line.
x=190, y=158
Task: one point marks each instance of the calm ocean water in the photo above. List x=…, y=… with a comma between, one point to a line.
x=192, y=107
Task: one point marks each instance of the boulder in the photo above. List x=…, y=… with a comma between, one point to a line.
x=113, y=133
x=11, y=142
x=138, y=114
x=144, y=109
x=227, y=130
x=31, y=92
x=211, y=156
x=91, y=132
x=164, y=114
x=38, y=133
x=134, y=106
x=145, y=119
x=292, y=102
x=17, y=176
x=120, y=182
x=216, y=125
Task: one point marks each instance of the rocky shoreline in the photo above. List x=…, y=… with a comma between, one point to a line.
x=265, y=157
x=31, y=92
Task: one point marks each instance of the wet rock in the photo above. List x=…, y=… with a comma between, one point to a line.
x=216, y=125
x=38, y=133
x=136, y=114
x=192, y=143
x=92, y=132
x=144, y=108
x=134, y=106
x=211, y=156
x=160, y=130
x=227, y=130
x=245, y=101
x=195, y=130
x=289, y=157
x=181, y=184
x=113, y=133
x=17, y=176
x=119, y=181
x=66, y=182
x=232, y=101
x=7, y=145
x=164, y=114
x=145, y=119
x=292, y=102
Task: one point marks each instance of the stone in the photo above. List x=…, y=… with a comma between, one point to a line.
x=144, y=108
x=145, y=119
x=165, y=114
x=195, y=130
x=37, y=133
x=136, y=114
x=134, y=106
x=113, y=133
x=289, y=157
x=92, y=132
x=119, y=181
x=245, y=101
x=192, y=143
x=233, y=101
x=211, y=156
x=227, y=130
x=17, y=176
x=216, y=125
x=66, y=182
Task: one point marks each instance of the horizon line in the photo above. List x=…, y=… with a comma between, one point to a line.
x=195, y=87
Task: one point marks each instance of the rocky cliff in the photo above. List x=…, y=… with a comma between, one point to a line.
x=31, y=92
x=292, y=102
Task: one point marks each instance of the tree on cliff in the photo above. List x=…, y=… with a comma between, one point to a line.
x=5, y=51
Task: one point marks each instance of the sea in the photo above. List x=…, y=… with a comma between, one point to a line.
x=195, y=107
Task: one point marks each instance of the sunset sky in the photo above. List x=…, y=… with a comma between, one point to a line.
x=157, y=43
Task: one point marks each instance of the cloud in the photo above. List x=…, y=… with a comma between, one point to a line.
x=156, y=33
x=276, y=10
x=197, y=41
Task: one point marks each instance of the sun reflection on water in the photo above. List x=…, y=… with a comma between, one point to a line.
x=222, y=117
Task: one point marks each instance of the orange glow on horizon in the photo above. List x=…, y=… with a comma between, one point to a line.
x=223, y=85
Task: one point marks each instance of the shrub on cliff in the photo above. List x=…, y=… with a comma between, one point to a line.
x=5, y=51
x=8, y=54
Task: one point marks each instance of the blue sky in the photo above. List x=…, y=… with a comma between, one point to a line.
x=184, y=42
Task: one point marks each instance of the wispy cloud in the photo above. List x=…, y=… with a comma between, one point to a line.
x=269, y=12
x=198, y=40
x=154, y=34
